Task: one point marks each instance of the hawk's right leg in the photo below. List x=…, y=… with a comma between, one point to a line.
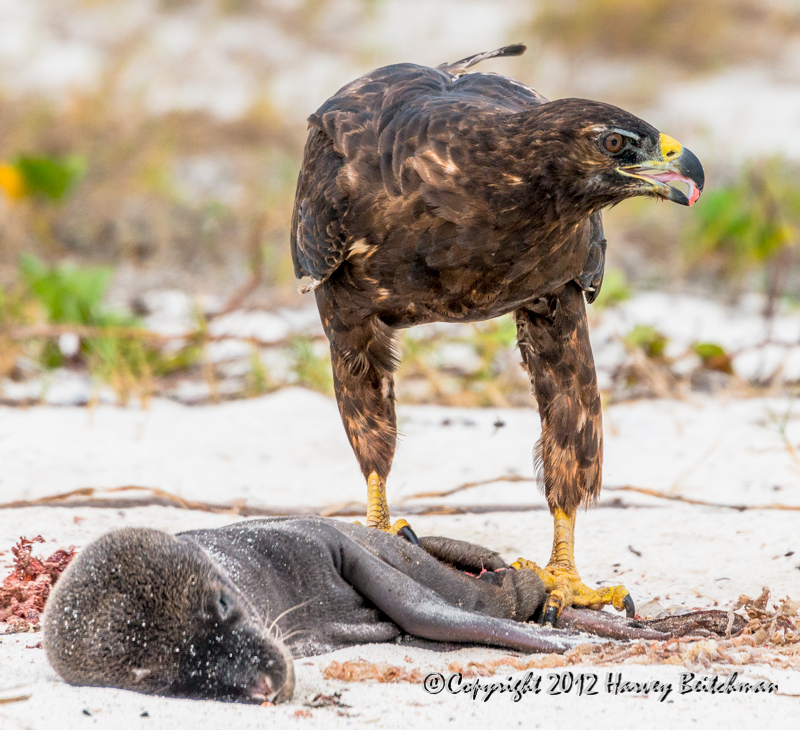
x=364, y=360
x=553, y=338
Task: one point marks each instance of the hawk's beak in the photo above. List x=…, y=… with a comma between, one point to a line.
x=675, y=164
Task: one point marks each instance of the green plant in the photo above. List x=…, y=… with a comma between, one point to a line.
x=312, y=370
x=122, y=363
x=49, y=177
x=614, y=290
x=258, y=380
x=180, y=360
x=71, y=294
x=714, y=357
x=751, y=225
x=648, y=339
x=68, y=293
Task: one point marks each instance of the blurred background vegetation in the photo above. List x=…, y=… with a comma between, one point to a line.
x=154, y=144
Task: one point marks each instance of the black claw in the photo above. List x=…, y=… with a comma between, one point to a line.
x=550, y=615
x=630, y=608
x=408, y=534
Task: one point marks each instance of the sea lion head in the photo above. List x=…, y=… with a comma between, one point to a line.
x=139, y=609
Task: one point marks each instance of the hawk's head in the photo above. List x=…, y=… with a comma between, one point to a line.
x=604, y=154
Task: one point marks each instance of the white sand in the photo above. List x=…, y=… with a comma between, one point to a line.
x=289, y=449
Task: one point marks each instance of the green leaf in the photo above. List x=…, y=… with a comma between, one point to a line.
x=707, y=350
x=50, y=177
x=649, y=339
x=68, y=293
x=714, y=356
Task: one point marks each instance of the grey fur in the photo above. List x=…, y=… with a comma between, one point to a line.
x=202, y=614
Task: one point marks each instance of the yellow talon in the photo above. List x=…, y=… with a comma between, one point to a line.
x=561, y=580
x=378, y=510
x=398, y=525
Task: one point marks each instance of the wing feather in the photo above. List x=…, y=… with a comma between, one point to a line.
x=318, y=241
x=396, y=144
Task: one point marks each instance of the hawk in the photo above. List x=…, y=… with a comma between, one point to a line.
x=442, y=195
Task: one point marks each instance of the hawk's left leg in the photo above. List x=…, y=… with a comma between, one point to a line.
x=553, y=339
x=363, y=359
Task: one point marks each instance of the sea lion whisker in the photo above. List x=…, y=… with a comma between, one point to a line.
x=288, y=610
x=294, y=633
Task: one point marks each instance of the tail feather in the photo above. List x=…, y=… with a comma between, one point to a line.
x=459, y=68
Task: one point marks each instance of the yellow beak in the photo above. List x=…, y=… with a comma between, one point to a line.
x=671, y=149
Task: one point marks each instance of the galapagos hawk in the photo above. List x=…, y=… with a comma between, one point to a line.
x=441, y=195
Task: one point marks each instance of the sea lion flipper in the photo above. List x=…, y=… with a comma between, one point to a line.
x=462, y=555
x=420, y=611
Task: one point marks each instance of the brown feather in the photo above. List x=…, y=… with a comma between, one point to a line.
x=438, y=195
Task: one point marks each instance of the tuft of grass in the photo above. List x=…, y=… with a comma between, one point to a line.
x=258, y=379
x=70, y=294
x=122, y=363
x=181, y=360
x=312, y=370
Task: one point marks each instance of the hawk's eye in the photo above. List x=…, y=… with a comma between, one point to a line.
x=614, y=142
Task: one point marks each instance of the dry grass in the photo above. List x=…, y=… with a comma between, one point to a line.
x=690, y=34
x=186, y=200
x=177, y=193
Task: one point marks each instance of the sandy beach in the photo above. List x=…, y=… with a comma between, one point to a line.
x=725, y=452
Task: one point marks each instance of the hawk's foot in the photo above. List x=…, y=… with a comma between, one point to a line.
x=561, y=580
x=378, y=511
x=565, y=588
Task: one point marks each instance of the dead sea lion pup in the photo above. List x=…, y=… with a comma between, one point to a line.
x=220, y=613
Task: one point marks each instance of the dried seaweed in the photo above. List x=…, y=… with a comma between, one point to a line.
x=690, y=623
x=770, y=637
x=778, y=626
x=766, y=637
x=698, y=622
x=24, y=591
x=361, y=671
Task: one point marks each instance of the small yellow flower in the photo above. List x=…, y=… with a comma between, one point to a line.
x=11, y=181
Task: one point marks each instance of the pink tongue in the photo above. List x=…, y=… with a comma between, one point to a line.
x=694, y=193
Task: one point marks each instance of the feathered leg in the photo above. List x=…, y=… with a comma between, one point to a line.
x=364, y=360
x=553, y=339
